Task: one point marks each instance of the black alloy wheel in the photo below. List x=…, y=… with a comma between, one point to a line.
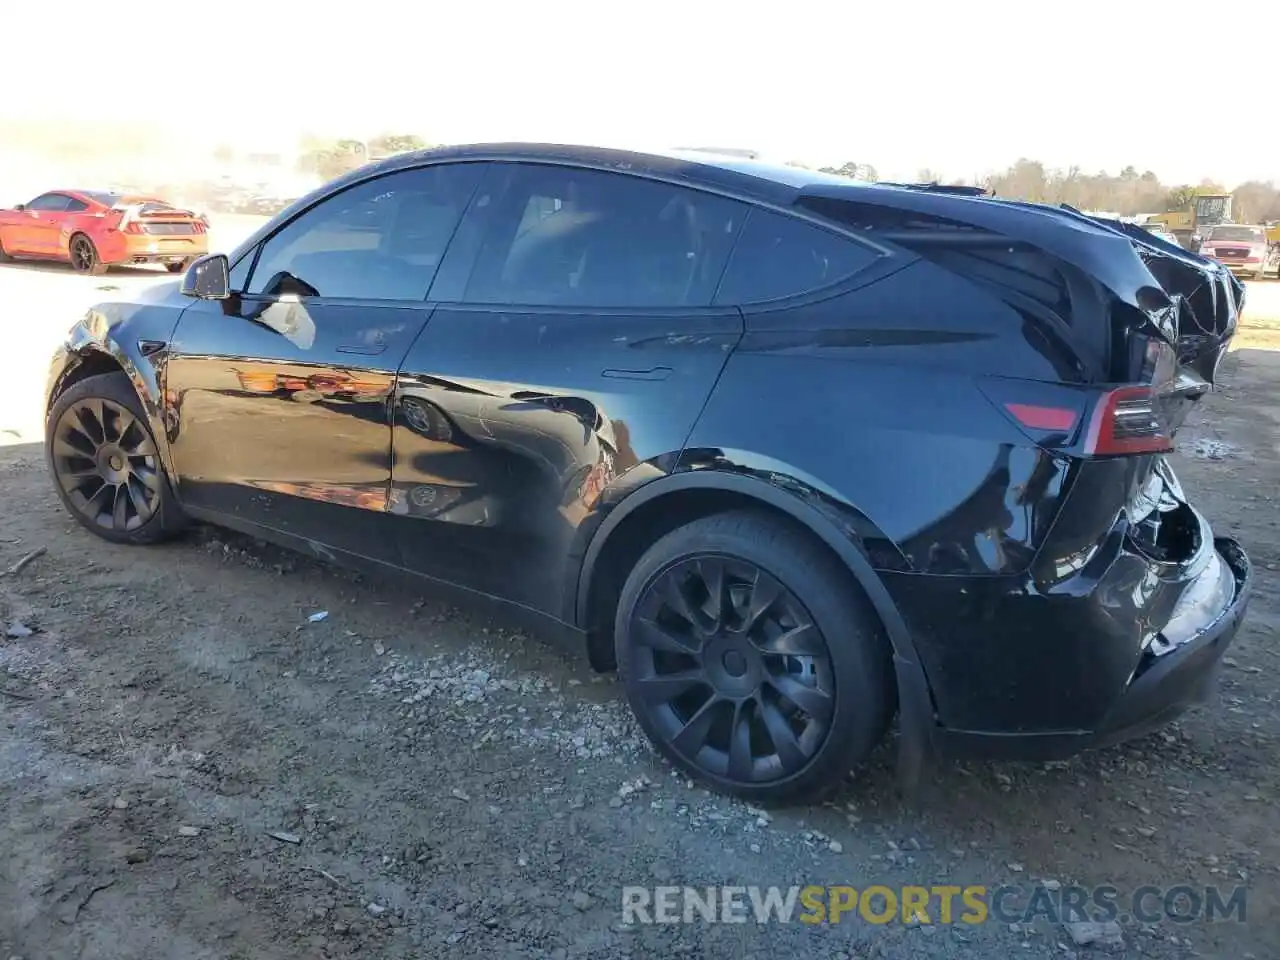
x=84, y=256
x=106, y=464
x=749, y=660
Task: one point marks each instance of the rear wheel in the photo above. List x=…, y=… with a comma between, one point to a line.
x=181, y=266
x=84, y=256
x=106, y=465
x=751, y=660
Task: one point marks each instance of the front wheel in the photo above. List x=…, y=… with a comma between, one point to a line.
x=751, y=659
x=84, y=257
x=106, y=465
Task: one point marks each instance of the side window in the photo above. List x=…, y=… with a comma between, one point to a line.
x=378, y=240
x=779, y=256
x=561, y=236
x=75, y=206
x=49, y=202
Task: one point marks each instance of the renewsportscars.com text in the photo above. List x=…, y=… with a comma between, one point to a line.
x=941, y=903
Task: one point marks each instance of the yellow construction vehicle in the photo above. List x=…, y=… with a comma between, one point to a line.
x=1204, y=211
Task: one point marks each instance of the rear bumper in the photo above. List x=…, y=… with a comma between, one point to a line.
x=158, y=258
x=1161, y=689
x=1188, y=674
x=159, y=249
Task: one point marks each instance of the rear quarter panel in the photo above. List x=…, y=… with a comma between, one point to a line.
x=867, y=404
x=870, y=396
x=108, y=242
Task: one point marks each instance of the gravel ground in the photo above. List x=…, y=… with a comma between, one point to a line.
x=195, y=767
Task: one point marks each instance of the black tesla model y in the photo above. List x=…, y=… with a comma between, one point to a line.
x=790, y=452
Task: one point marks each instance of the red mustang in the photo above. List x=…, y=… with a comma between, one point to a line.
x=93, y=230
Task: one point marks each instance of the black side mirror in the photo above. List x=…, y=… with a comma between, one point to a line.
x=20, y=207
x=209, y=278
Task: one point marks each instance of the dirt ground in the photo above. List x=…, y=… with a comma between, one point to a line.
x=439, y=785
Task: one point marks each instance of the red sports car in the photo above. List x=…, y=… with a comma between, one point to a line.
x=93, y=230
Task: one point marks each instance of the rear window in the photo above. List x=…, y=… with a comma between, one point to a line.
x=1237, y=234
x=779, y=256
x=102, y=197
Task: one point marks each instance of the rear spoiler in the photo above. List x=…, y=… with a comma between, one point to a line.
x=955, y=189
x=153, y=210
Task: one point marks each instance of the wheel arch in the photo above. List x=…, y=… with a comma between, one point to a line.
x=666, y=503
x=96, y=356
x=79, y=232
x=83, y=364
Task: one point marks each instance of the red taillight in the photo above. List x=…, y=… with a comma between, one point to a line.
x=133, y=226
x=1127, y=421
x=1056, y=419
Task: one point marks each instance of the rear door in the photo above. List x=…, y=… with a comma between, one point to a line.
x=279, y=397
x=572, y=345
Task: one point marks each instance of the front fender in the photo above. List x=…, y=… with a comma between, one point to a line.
x=129, y=337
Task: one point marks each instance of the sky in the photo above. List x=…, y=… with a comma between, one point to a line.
x=963, y=88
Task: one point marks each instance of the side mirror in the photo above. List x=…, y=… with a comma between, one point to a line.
x=19, y=207
x=209, y=278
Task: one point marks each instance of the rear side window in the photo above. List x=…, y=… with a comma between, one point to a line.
x=51, y=202
x=779, y=256
x=381, y=239
x=562, y=236
x=76, y=206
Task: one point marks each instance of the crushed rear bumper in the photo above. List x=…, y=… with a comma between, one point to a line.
x=1162, y=687
x=1187, y=674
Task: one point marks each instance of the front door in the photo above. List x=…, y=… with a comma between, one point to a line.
x=571, y=347
x=38, y=233
x=279, y=397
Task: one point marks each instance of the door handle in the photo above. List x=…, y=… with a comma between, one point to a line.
x=653, y=373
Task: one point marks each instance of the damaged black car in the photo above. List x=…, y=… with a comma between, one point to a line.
x=793, y=454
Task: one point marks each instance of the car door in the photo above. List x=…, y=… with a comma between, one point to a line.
x=37, y=233
x=278, y=398
x=572, y=344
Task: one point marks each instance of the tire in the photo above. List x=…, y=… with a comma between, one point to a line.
x=112, y=481
x=84, y=256
x=4, y=257
x=743, y=680
x=180, y=267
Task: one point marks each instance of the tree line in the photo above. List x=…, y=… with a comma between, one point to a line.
x=331, y=158
x=1127, y=193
